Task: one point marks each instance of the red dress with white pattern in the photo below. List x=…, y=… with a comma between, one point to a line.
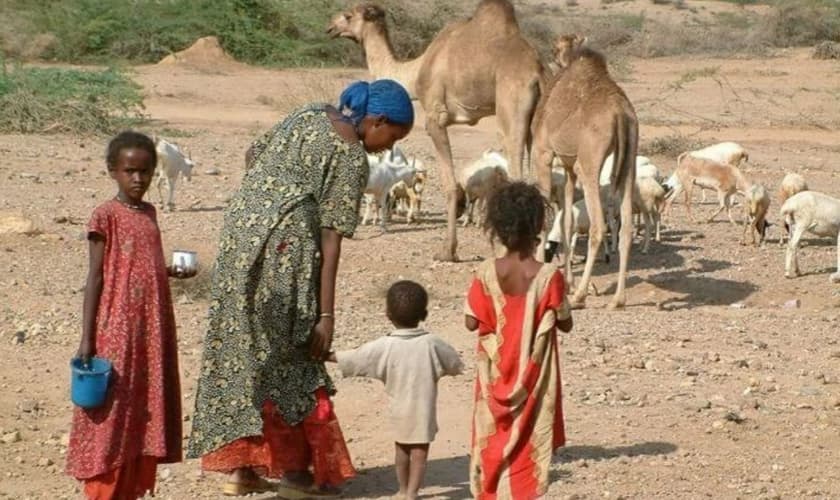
x=135, y=330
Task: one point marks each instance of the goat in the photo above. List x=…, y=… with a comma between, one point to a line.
x=816, y=213
x=171, y=164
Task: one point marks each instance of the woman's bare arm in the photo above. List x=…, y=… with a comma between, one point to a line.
x=323, y=331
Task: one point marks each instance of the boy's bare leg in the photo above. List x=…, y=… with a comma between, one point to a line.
x=419, y=455
x=402, y=460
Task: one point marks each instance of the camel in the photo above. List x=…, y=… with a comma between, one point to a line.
x=473, y=68
x=582, y=118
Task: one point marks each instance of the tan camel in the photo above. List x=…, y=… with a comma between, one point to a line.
x=582, y=118
x=473, y=68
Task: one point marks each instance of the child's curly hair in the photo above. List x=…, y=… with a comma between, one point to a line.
x=406, y=303
x=516, y=215
x=129, y=139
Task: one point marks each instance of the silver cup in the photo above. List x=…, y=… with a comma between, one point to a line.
x=184, y=261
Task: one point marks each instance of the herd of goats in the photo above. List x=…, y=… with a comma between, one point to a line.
x=583, y=135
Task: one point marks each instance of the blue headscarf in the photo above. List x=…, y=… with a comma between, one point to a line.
x=379, y=98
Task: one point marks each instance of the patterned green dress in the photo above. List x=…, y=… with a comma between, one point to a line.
x=264, y=299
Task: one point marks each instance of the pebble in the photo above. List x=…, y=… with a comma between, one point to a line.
x=11, y=437
x=45, y=462
x=165, y=474
x=29, y=406
x=212, y=171
x=792, y=304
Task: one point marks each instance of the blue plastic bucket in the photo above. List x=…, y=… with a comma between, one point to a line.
x=89, y=383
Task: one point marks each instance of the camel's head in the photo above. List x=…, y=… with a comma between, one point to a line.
x=351, y=24
x=567, y=48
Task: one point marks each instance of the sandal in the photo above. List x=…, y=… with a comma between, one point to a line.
x=295, y=491
x=259, y=485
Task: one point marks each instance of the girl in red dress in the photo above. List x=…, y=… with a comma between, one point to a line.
x=128, y=319
x=516, y=304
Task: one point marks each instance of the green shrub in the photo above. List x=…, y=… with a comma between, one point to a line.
x=267, y=32
x=44, y=100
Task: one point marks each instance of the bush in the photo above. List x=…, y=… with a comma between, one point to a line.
x=43, y=100
x=803, y=22
x=267, y=32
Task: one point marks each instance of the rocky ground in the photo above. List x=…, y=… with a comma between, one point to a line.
x=720, y=379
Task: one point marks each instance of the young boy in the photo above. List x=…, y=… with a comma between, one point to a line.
x=409, y=361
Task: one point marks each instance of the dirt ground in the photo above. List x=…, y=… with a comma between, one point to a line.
x=706, y=385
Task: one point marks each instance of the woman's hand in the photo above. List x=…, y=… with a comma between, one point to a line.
x=320, y=342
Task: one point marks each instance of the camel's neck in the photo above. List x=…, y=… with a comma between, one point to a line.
x=382, y=63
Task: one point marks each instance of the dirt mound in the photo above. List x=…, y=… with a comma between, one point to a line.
x=205, y=53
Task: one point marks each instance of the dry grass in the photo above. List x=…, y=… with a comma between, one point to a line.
x=671, y=145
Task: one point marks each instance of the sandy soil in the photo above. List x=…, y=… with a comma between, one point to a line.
x=681, y=395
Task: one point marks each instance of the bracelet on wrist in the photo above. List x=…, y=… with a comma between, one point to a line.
x=326, y=315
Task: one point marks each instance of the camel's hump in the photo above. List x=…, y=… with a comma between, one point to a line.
x=495, y=11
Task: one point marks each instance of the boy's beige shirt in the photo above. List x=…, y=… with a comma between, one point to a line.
x=409, y=362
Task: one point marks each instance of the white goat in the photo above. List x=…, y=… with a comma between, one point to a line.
x=726, y=153
x=480, y=178
x=580, y=225
x=757, y=204
x=816, y=213
x=384, y=173
x=791, y=184
x=648, y=197
x=171, y=164
x=725, y=179
x=644, y=168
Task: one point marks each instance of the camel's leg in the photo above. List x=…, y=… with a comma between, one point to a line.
x=436, y=128
x=572, y=245
x=569, y=188
x=592, y=198
x=791, y=259
x=544, y=157
x=514, y=113
x=625, y=236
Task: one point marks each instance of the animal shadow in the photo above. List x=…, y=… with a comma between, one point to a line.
x=450, y=474
x=598, y=453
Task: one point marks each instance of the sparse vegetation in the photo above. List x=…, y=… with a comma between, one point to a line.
x=671, y=145
x=51, y=100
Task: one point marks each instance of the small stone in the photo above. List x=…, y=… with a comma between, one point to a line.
x=65, y=439
x=165, y=474
x=212, y=171
x=733, y=416
x=29, y=406
x=11, y=437
x=19, y=460
x=792, y=304
x=648, y=365
x=45, y=462
x=717, y=424
x=61, y=219
x=738, y=305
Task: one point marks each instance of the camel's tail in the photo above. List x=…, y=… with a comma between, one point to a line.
x=626, y=146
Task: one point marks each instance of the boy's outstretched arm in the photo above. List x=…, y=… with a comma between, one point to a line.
x=470, y=322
